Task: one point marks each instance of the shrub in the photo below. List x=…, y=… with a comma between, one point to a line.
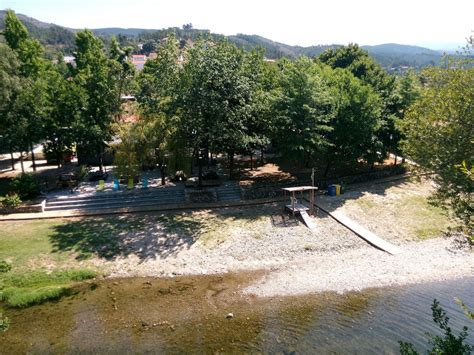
x=12, y=200
x=4, y=266
x=38, y=286
x=448, y=344
x=82, y=172
x=26, y=186
x=4, y=322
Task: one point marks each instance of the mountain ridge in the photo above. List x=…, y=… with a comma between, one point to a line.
x=389, y=55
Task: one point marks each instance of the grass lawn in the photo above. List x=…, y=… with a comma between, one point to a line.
x=404, y=208
x=38, y=273
x=47, y=256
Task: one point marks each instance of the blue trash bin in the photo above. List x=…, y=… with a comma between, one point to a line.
x=144, y=183
x=332, y=190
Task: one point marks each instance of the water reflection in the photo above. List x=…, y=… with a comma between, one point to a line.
x=189, y=315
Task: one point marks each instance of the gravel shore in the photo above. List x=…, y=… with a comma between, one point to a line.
x=430, y=260
x=295, y=260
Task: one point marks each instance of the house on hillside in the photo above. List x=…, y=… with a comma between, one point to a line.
x=138, y=60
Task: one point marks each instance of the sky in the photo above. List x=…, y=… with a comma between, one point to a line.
x=431, y=23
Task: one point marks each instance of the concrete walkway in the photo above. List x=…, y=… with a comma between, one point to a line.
x=365, y=234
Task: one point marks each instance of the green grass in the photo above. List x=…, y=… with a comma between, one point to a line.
x=24, y=243
x=405, y=210
x=22, y=290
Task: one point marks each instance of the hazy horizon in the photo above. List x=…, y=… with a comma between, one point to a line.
x=422, y=23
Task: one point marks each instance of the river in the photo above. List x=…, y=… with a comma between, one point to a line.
x=191, y=315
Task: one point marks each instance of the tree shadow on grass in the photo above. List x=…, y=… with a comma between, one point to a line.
x=147, y=237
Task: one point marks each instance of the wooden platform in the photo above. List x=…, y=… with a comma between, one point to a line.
x=365, y=234
x=298, y=207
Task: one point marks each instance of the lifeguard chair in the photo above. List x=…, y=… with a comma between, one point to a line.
x=297, y=207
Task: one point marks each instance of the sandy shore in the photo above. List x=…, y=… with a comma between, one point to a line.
x=431, y=260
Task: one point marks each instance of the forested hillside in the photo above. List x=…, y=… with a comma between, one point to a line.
x=56, y=38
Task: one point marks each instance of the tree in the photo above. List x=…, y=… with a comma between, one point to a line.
x=362, y=66
x=122, y=71
x=159, y=80
x=30, y=106
x=10, y=86
x=93, y=74
x=356, y=121
x=303, y=109
x=148, y=47
x=216, y=100
x=439, y=128
x=406, y=93
x=64, y=116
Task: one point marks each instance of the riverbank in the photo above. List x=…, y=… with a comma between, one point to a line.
x=255, y=239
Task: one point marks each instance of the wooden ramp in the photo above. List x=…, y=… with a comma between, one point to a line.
x=307, y=220
x=364, y=233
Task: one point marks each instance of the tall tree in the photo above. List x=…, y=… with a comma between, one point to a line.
x=30, y=112
x=10, y=86
x=357, y=119
x=362, y=66
x=159, y=79
x=216, y=99
x=93, y=75
x=304, y=108
x=439, y=130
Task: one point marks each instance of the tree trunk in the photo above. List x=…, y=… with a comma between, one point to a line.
x=261, y=157
x=21, y=162
x=193, y=156
x=163, y=174
x=328, y=165
x=251, y=160
x=12, y=159
x=33, y=160
x=395, y=161
x=101, y=160
x=231, y=165
x=403, y=160
x=199, y=170
x=207, y=158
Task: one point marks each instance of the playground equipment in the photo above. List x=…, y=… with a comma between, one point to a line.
x=296, y=207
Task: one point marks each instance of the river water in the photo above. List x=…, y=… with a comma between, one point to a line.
x=190, y=315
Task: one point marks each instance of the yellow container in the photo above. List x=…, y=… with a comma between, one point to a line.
x=338, y=190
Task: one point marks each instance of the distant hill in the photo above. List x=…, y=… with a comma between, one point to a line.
x=275, y=50
x=114, y=31
x=394, y=55
x=390, y=55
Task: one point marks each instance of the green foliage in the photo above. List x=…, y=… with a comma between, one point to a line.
x=357, y=118
x=358, y=62
x=304, y=108
x=82, y=172
x=448, y=344
x=25, y=185
x=94, y=76
x=11, y=200
x=4, y=266
x=439, y=129
x=4, y=322
x=15, y=32
x=39, y=286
